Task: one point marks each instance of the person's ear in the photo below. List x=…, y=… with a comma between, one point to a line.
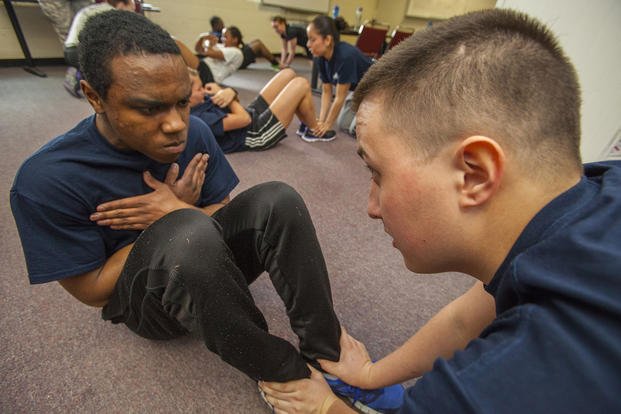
x=92, y=96
x=481, y=163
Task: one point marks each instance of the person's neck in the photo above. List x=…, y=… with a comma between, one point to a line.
x=103, y=127
x=503, y=222
x=330, y=52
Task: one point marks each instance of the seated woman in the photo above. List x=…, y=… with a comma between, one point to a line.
x=262, y=124
x=292, y=36
x=214, y=61
x=341, y=66
x=251, y=51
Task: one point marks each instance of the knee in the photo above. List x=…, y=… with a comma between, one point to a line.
x=188, y=229
x=300, y=83
x=288, y=73
x=281, y=199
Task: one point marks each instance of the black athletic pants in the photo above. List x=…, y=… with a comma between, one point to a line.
x=189, y=272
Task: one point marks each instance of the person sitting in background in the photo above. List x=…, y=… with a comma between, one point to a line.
x=217, y=26
x=341, y=67
x=255, y=48
x=292, y=36
x=263, y=123
x=215, y=61
x=73, y=75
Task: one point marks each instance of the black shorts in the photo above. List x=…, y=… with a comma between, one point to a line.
x=249, y=56
x=265, y=130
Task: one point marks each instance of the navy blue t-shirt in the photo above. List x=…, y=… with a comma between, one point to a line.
x=59, y=187
x=212, y=115
x=555, y=345
x=298, y=33
x=347, y=65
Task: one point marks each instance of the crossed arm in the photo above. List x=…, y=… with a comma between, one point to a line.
x=137, y=213
x=227, y=98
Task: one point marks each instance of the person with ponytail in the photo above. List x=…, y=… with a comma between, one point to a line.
x=341, y=66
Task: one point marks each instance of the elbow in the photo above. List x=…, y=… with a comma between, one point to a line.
x=247, y=119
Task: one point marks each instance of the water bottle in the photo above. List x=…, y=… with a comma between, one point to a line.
x=335, y=11
x=358, y=17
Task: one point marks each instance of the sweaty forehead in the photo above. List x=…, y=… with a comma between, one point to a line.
x=138, y=71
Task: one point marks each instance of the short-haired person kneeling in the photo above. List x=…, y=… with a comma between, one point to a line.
x=471, y=130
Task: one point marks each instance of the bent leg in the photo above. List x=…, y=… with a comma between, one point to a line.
x=181, y=276
x=276, y=85
x=295, y=98
x=268, y=227
x=259, y=49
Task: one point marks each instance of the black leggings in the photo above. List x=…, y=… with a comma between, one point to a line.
x=188, y=272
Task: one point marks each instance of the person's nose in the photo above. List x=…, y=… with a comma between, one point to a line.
x=175, y=121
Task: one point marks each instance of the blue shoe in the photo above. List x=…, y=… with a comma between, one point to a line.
x=301, y=130
x=378, y=401
x=310, y=137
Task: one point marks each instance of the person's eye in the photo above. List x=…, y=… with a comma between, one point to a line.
x=374, y=174
x=149, y=110
x=184, y=102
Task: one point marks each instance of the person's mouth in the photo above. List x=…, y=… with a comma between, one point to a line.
x=175, y=147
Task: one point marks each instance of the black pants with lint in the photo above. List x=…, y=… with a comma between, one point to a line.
x=188, y=272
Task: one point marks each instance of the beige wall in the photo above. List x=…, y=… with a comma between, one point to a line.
x=185, y=19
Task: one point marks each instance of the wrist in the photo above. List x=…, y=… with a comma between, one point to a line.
x=327, y=403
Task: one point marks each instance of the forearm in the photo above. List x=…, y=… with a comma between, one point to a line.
x=450, y=330
x=339, y=407
x=335, y=108
x=291, y=52
x=212, y=208
x=326, y=100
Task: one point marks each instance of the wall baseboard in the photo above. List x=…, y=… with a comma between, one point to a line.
x=6, y=63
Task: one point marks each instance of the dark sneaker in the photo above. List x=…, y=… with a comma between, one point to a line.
x=301, y=130
x=379, y=401
x=310, y=137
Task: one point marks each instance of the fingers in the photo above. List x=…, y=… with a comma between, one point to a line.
x=121, y=219
x=173, y=173
x=151, y=181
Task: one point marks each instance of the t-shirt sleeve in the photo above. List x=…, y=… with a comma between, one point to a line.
x=347, y=69
x=233, y=56
x=212, y=116
x=220, y=179
x=290, y=33
x=56, y=245
x=323, y=72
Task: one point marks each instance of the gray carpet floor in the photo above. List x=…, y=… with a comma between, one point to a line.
x=58, y=355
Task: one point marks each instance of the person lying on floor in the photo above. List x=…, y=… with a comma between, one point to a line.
x=131, y=211
x=263, y=123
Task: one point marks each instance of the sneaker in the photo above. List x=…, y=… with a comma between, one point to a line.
x=310, y=137
x=301, y=130
x=378, y=401
x=72, y=82
x=275, y=67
